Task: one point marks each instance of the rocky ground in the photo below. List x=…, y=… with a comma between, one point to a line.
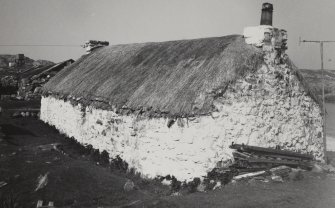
x=38, y=163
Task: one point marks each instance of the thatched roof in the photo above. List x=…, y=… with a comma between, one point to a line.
x=52, y=69
x=179, y=78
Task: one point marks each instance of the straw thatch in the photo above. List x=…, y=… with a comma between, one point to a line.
x=180, y=78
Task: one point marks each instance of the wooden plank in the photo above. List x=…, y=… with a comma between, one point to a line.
x=241, y=155
x=253, y=160
x=281, y=162
x=251, y=149
x=248, y=175
x=283, y=157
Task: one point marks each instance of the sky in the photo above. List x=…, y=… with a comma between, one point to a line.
x=72, y=22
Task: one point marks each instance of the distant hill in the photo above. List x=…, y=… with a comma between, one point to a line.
x=10, y=78
x=314, y=79
x=42, y=63
x=25, y=82
x=5, y=59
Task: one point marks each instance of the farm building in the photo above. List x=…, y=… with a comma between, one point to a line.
x=175, y=107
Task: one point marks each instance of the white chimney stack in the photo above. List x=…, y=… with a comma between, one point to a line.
x=265, y=36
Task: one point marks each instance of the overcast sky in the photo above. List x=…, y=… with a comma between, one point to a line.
x=128, y=21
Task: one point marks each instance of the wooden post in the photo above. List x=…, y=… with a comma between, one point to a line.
x=321, y=42
x=323, y=103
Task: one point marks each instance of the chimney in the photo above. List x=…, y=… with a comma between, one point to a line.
x=93, y=44
x=266, y=18
x=272, y=40
x=19, y=59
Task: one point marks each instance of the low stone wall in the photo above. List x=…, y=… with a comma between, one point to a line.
x=266, y=108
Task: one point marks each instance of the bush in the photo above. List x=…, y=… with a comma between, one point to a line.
x=175, y=185
x=118, y=163
x=192, y=186
x=104, y=158
x=95, y=155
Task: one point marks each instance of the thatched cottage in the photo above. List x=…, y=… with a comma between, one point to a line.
x=174, y=107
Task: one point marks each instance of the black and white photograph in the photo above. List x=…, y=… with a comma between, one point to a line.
x=167, y=104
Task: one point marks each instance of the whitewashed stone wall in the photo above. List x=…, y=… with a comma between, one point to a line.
x=255, y=35
x=266, y=108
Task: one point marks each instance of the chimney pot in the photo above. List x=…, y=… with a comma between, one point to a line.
x=267, y=10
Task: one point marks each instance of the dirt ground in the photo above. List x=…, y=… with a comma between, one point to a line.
x=75, y=179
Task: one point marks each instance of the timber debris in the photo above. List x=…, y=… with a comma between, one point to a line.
x=251, y=158
x=42, y=181
x=262, y=164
